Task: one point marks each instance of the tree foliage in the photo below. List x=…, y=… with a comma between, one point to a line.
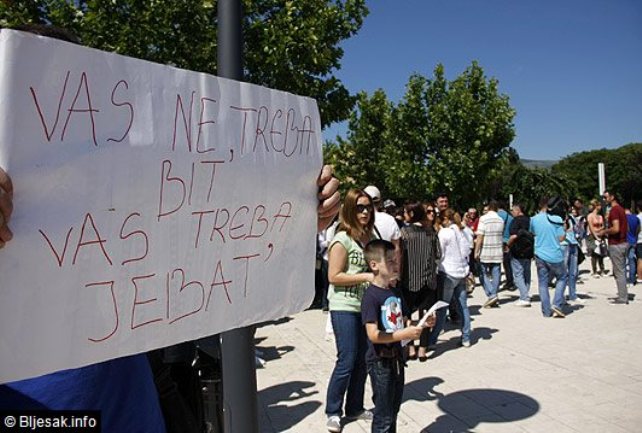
x=354, y=159
x=442, y=136
x=623, y=167
x=291, y=45
x=528, y=185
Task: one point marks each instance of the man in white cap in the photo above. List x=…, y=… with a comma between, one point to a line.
x=385, y=223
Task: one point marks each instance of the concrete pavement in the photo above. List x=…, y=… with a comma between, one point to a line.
x=523, y=374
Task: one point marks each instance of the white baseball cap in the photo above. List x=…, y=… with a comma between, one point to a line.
x=373, y=192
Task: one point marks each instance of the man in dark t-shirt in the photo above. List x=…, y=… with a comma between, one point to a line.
x=520, y=242
x=618, y=246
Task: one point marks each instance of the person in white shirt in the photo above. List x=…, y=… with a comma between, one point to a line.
x=489, y=250
x=453, y=270
x=385, y=223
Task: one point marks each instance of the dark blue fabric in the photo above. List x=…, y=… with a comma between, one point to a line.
x=121, y=389
x=387, y=377
x=350, y=373
x=633, y=223
x=378, y=306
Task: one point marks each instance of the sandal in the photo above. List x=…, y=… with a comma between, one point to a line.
x=421, y=354
x=412, y=353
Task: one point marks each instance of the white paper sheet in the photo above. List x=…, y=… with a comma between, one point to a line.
x=152, y=205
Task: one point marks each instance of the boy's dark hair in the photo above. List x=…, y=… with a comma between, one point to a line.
x=376, y=250
x=493, y=205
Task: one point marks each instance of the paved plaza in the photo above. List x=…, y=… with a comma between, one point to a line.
x=523, y=373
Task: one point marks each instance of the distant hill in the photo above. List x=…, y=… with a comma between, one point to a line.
x=537, y=163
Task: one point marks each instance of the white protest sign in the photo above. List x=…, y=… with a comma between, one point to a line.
x=152, y=205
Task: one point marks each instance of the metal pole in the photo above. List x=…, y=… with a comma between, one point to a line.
x=240, y=414
x=601, y=177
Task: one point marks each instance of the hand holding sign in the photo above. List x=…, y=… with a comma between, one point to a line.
x=6, y=207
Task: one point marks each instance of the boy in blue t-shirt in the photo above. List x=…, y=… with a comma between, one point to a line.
x=383, y=313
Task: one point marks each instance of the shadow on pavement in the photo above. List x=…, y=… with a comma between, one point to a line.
x=465, y=410
x=272, y=352
x=283, y=417
x=422, y=389
x=482, y=333
x=454, y=343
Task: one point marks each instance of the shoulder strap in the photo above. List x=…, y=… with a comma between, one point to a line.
x=377, y=232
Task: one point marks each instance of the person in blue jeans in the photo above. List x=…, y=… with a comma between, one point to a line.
x=453, y=269
x=349, y=278
x=385, y=313
x=521, y=248
x=549, y=258
x=633, y=230
x=489, y=250
x=571, y=253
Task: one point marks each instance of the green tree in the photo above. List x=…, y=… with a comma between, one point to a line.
x=442, y=136
x=355, y=159
x=623, y=168
x=528, y=185
x=291, y=45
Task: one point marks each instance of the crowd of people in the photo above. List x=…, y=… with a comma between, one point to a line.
x=429, y=252
x=377, y=266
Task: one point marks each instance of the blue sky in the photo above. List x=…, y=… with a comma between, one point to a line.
x=572, y=68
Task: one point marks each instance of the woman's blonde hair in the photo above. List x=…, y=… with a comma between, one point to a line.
x=595, y=202
x=349, y=221
x=451, y=216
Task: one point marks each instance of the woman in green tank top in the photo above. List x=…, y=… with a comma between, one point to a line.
x=349, y=277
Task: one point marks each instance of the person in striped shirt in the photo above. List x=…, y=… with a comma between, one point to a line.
x=489, y=250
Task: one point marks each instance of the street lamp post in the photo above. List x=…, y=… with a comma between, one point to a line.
x=237, y=350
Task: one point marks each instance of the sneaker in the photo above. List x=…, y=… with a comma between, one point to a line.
x=465, y=343
x=576, y=301
x=366, y=415
x=595, y=275
x=522, y=303
x=491, y=301
x=334, y=424
x=557, y=312
x=619, y=302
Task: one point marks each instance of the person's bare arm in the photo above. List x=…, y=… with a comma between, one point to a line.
x=380, y=337
x=613, y=230
x=337, y=259
x=478, y=245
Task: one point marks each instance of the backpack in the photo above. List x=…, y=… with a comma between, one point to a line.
x=557, y=206
x=523, y=247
